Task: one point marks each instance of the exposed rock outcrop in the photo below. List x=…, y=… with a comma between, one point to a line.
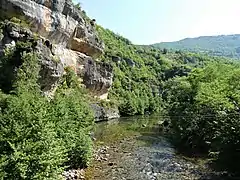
x=118, y=59
x=10, y=33
x=57, y=20
x=74, y=41
x=98, y=77
x=84, y=40
x=66, y=39
x=129, y=62
x=102, y=113
x=51, y=70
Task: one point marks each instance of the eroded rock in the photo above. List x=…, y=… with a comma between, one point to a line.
x=65, y=39
x=55, y=57
x=98, y=77
x=57, y=20
x=51, y=71
x=85, y=40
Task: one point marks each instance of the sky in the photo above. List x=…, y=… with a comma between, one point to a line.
x=154, y=21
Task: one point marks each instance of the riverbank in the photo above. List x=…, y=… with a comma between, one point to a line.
x=134, y=149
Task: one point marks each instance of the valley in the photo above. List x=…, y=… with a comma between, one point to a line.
x=78, y=100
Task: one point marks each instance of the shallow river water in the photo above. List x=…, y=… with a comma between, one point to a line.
x=134, y=148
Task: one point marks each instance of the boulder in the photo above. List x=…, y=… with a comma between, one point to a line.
x=116, y=59
x=102, y=113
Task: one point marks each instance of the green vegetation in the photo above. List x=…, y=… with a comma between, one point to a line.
x=20, y=22
x=78, y=6
x=137, y=74
x=224, y=45
x=40, y=137
x=199, y=93
x=140, y=72
x=204, y=111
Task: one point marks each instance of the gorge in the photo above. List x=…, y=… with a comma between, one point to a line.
x=61, y=72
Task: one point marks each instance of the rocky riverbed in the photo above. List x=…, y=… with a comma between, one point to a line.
x=136, y=150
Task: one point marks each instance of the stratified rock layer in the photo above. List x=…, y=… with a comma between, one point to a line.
x=59, y=21
x=67, y=39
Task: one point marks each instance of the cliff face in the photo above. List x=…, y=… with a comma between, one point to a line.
x=57, y=20
x=67, y=39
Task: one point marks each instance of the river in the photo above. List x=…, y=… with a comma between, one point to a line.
x=135, y=148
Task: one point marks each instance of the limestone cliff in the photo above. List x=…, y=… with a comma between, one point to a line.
x=57, y=20
x=67, y=38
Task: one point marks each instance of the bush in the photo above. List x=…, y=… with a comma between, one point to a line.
x=29, y=145
x=40, y=138
x=80, y=154
x=204, y=111
x=74, y=120
x=20, y=22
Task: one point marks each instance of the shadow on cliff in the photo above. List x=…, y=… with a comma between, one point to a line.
x=8, y=68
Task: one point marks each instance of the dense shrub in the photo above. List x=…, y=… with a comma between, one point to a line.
x=204, y=110
x=29, y=145
x=74, y=120
x=39, y=137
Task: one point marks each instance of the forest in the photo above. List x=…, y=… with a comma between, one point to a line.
x=222, y=45
x=199, y=94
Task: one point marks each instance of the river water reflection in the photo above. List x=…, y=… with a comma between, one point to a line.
x=134, y=148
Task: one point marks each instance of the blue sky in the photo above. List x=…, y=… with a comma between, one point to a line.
x=152, y=21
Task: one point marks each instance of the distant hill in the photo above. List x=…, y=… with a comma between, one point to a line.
x=222, y=45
